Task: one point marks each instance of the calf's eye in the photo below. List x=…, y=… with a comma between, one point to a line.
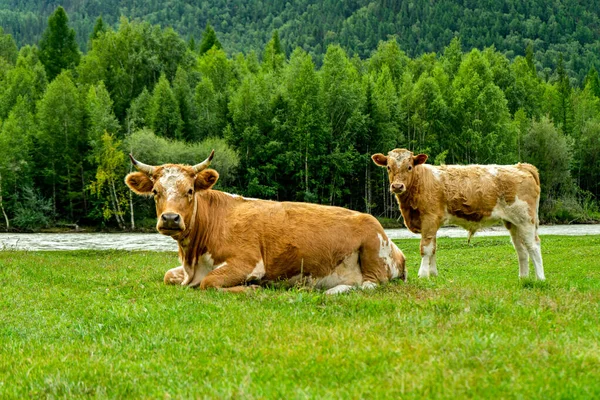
x=190, y=192
x=409, y=168
x=154, y=192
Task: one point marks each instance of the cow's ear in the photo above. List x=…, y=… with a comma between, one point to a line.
x=139, y=182
x=206, y=179
x=420, y=159
x=379, y=159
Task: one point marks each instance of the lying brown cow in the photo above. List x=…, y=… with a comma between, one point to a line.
x=227, y=241
x=470, y=196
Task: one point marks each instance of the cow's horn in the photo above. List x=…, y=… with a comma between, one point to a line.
x=204, y=164
x=149, y=169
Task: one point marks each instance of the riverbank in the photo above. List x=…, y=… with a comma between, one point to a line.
x=158, y=242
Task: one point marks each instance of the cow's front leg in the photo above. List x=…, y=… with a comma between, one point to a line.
x=428, y=243
x=233, y=275
x=175, y=276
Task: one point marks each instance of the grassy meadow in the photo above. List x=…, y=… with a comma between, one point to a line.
x=102, y=324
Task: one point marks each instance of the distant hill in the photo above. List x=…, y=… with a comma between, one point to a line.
x=561, y=26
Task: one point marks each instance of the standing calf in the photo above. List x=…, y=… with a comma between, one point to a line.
x=470, y=196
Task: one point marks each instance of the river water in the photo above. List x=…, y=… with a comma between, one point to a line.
x=158, y=242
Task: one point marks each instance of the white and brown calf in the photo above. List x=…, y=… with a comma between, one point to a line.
x=471, y=196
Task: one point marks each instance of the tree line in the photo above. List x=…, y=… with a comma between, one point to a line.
x=283, y=127
x=569, y=27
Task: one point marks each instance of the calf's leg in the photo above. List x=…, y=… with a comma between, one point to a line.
x=428, y=265
x=531, y=241
x=520, y=249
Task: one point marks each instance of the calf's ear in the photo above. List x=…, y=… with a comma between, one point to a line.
x=420, y=159
x=379, y=159
x=139, y=182
x=206, y=179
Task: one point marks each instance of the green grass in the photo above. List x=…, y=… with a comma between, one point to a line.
x=102, y=324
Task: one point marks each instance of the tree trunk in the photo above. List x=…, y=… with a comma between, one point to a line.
x=116, y=207
x=2, y=206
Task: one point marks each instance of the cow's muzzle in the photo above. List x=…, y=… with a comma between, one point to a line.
x=170, y=224
x=397, y=188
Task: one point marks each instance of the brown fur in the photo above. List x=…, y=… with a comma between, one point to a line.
x=429, y=196
x=290, y=239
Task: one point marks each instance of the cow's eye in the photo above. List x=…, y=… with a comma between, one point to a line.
x=409, y=168
x=154, y=192
x=389, y=168
x=190, y=192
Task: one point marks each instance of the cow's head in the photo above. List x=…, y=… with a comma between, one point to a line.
x=400, y=164
x=174, y=187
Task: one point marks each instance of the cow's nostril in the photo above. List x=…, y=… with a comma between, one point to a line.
x=171, y=217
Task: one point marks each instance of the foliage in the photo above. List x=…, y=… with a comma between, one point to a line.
x=58, y=48
x=301, y=128
x=476, y=320
x=32, y=211
x=548, y=28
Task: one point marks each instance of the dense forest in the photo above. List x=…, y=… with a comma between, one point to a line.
x=568, y=27
x=283, y=125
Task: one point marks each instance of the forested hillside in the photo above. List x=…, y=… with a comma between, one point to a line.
x=283, y=126
x=569, y=27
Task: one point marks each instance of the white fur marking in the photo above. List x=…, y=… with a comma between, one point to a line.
x=258, y=272
x=170, y=178
x=339, y=289
x=386, y=254
x=237, y=196
x=205, y=265
x=424, y=270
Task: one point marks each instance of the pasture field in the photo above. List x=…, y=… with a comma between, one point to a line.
x=102, y=324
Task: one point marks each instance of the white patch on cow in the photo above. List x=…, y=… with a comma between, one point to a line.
x=205, y=265
x=436, y=172
x=169, y=180
x=346, y=273
x=237, y=196
x=258, y=272
x=339, y=289
x=386, y=253
x=492, y=169
x=424, y=270
x=368, y=285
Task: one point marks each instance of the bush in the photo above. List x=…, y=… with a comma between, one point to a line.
x=33, y=211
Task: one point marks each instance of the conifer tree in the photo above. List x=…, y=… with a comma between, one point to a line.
x=58, y=47
x=209, y=40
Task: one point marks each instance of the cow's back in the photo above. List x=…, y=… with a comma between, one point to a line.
x=302, y=238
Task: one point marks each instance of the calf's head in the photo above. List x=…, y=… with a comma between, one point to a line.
x=174, y=187
x=400, y=164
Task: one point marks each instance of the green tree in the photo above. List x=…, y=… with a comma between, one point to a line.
x=111, y=169
x=209, y=40
x=593, y=81
x=187, y=106
x=8, y=47
x=60, y=146
x=549, y=150
x=27, y=79
x=58, y=47
x=274, y=56
x=15, y=158
x=163, y=113
x=565, y=107
x=100, y=114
